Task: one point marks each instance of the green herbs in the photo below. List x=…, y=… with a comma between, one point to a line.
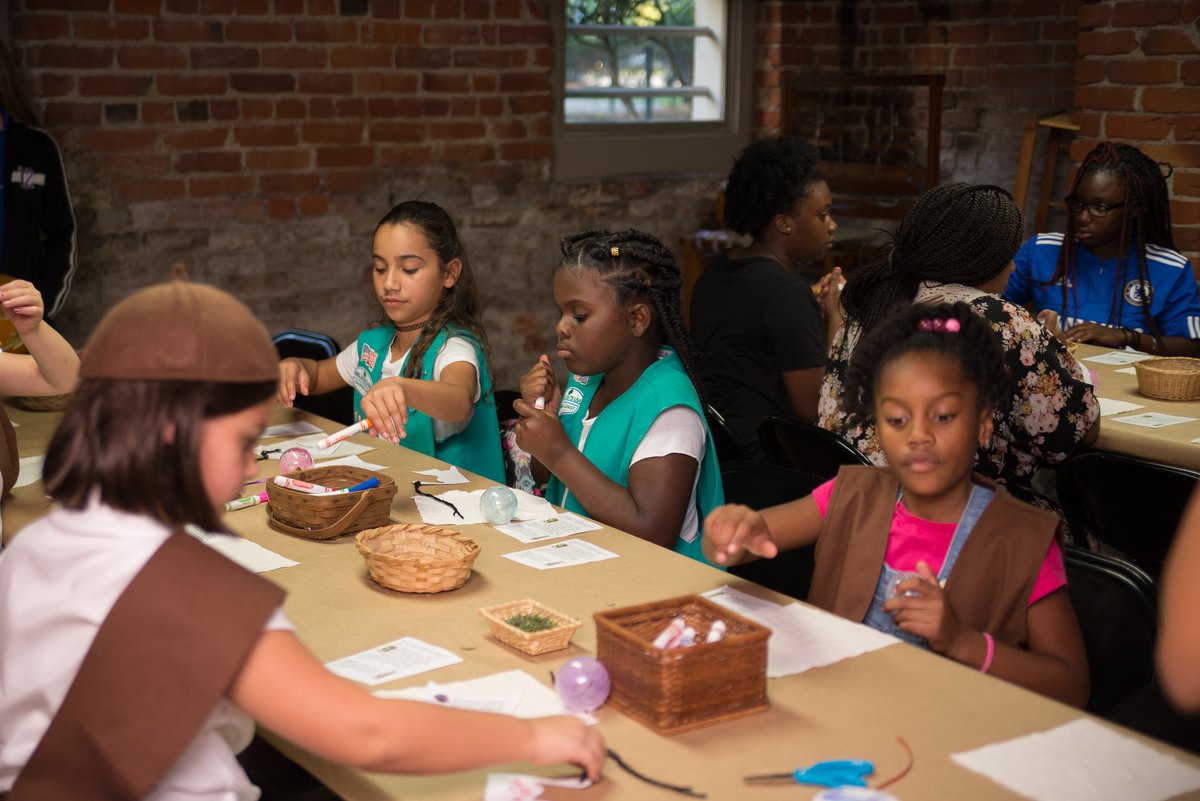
x=531, y=622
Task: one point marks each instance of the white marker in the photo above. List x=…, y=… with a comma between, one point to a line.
x=345, y=433
x=539, y=404
x=673, y=630
x=716, y=632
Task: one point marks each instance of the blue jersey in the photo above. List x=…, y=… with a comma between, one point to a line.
x=1174, y=300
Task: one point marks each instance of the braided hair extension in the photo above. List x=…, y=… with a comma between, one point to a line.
x=638, y=267
x=955, y=234
x=768, y=177
x=974, y=347
x=1145, y=219
x=458, y=305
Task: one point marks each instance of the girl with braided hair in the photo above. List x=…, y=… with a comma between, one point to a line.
x=1114, y=278
x=626, y=442
x=421, y=373
x=956, y=244
x=925, y=549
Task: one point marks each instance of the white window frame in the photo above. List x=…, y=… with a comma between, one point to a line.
x=593, y=150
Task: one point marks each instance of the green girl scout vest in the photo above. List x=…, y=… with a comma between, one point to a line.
x=620, y=428
x=477, y=447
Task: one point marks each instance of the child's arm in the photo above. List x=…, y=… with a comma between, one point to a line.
x=734, y=534
x=1055, y=664
x=1179, y=638
x=451, y=398
x=307, y=377
x=342, y=723
x=52, y=366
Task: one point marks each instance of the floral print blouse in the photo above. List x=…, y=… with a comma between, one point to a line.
x=1053, y=406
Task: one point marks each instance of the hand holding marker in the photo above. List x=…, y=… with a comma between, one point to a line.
x=540, y=403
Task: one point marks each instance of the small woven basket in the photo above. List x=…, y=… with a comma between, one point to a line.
x=680, y=689
x=41, y=403
x=1169, y=378
x=323, y=517
x=417, y=558
x=530, y=642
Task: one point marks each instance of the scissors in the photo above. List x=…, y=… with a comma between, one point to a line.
x=834, y=773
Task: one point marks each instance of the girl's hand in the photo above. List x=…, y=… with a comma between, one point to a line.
x=540, y=433
x=732, y=531
x=385, y=406
x=1098, y=334
x=293, y=378
x=21, y=302
x=829, y=293
x=1049, y=320
x=927, y=614
x=539, y=382
x=564, y=738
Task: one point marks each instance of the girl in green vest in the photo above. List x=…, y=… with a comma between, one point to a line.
x=421, y=373
x=924, y=549
x=626, y=442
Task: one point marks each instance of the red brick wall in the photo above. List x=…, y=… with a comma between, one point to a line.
x=1138, y=77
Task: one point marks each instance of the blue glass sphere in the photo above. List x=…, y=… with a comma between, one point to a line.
x=498, y=504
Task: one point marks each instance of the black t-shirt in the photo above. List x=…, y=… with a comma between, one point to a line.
x=751, y=321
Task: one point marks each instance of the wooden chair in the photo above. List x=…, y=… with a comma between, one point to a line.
x=1056, y=125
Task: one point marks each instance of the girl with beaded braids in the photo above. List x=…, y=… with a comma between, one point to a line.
x=925, y=549
x=421, y=373
x=1114, y=278
x=626, y=442
x=956, y=244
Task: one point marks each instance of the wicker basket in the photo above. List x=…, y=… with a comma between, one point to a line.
x=41, y=403
x=323, y=517
x=417, y=558
x=530, y=642
x=680, y=689
x=1170, y=378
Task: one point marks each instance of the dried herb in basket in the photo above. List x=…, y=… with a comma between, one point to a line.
x=531, y=622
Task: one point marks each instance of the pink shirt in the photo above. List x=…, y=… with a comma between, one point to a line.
x=913, y=539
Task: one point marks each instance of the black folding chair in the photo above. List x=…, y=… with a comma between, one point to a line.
x=1128, y=504
x=298, y=343
x=807, y=447
x=759, y=485
x=729, y=448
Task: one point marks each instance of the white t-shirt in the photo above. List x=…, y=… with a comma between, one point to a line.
x=58, y=581
x=455, y=349
x=675, y=430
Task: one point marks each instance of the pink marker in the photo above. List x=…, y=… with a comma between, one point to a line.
x=301, y=486
x=345, y=433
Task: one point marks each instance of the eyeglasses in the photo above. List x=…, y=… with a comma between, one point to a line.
x=453, y=508
x=1076, y=204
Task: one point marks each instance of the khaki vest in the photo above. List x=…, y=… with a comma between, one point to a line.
x=991, y=582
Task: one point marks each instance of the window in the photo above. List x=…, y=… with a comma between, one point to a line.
x=651, y=86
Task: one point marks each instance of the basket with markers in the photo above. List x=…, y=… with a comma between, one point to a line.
x=313, y=513
x=672, y=686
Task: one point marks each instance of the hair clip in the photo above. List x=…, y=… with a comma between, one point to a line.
x=615, y=252
x=949, y=326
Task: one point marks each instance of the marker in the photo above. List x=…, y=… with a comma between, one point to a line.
x=247, y=502
x=370, y=483
x=672, y=632
x=540, y=403
x=301, y=486
x=716, y=632
x=345, y=433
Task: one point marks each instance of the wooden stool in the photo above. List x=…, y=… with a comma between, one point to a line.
x=1056, y=125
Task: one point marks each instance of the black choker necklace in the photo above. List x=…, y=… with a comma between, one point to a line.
x=404, y=329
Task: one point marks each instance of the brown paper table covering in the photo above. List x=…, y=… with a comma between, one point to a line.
x=852, y=709
x=1170, y=445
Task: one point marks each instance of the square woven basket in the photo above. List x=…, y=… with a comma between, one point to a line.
x=1169, y=378
x=323, y=517
x=417, y=558
x=680, y=689
x=530, y=642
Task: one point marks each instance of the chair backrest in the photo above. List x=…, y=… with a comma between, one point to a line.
x=759, y=485
x=1126, y=503
x=724, y=440
x=807, y=447
x=300, y=344
x=504, y=403
x=1117, y=606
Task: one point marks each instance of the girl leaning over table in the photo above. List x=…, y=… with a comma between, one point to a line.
x=925, y=549
x=134, y=660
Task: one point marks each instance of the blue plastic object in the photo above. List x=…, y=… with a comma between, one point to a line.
x=835, y=773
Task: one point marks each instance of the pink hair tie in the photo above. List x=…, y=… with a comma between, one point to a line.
x=953, y=326
x=925, y=325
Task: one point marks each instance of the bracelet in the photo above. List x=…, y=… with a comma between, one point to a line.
x=991, y=652
x=1128, y=337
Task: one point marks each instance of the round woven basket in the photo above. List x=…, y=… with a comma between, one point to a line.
x=1169, y=378
x=41, y=403
x=417, y=558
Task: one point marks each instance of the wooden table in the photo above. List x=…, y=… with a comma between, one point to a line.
x=1171, y=445
x=852, y=709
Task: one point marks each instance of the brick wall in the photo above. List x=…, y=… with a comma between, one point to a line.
x=1138, y=78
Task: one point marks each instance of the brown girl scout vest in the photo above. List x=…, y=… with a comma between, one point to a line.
x=990, y=584
x=169, y=649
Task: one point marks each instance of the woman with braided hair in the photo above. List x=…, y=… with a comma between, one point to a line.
x=956, y=245
x=1115, y=277
x=625, y=443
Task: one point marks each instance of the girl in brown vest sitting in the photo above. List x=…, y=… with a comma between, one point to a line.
x=925, y=549
x=135, y=660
